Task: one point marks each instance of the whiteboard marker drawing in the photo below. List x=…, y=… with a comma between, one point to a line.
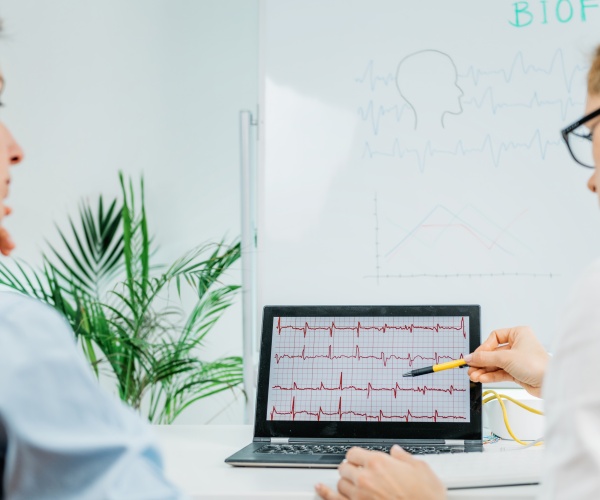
x=427, y=81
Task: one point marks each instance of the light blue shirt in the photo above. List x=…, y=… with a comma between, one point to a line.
x=61, y=435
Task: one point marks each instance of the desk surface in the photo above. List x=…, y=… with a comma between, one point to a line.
x=194, y=460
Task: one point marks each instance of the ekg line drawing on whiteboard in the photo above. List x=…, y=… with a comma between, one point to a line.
x=488, y=99
x=375, y=114
x=519, y=64
x=487, y=148
x=348, y=368
x=371, y=78
x=408, y=122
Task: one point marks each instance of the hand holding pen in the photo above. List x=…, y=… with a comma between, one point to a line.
x=508, y=354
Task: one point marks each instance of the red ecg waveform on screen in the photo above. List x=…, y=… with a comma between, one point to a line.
x=436, y=358
x=385, y=327
x=320, y=413
x=349, y=368
x=369, y=388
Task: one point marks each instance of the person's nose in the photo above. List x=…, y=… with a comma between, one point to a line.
x=15, y=152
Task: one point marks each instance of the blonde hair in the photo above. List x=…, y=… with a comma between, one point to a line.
x=594, y=74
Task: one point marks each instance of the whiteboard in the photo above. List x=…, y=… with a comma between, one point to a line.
x=410, y=153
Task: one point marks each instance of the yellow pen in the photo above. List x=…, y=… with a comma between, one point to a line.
x=457, y=363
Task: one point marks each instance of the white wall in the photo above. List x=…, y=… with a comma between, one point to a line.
x=152, y=86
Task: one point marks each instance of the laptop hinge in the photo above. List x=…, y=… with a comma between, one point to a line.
x=454, y=442
x=280, y=440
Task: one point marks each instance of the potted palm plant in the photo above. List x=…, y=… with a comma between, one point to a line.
x=121, y=306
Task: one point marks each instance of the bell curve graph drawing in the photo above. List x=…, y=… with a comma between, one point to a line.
x=475, y=232
x=411, y=153
x=350, y=369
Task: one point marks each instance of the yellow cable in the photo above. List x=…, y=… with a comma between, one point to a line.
x=499, y=397
x=504, y=396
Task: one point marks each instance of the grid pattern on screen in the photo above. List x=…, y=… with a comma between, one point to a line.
x=350, y=369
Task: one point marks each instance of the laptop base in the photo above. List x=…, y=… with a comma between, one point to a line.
x=299, y=454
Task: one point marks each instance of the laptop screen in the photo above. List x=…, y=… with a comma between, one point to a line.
x=340, y=369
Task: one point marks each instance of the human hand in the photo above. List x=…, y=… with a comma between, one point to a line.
x=523, y=360
x=6, y=242
x=378, y=476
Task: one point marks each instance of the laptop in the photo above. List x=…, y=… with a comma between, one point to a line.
x=331, y=377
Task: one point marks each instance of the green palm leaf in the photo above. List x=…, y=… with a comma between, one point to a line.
x=121, y=309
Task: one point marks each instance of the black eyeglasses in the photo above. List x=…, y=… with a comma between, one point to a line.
x=578, y=139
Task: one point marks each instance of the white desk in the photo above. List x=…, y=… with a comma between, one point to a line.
x=194, y=460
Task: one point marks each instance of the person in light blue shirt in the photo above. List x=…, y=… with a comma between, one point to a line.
x=61, y=436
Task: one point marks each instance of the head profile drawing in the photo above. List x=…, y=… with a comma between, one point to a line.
x=427, y=81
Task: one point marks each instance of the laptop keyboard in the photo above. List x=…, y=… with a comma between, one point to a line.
x=320, y=449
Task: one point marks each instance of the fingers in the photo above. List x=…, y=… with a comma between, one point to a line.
x=400, y=454
x=495, y=376
x=354, y=471
x=358, y=456
x=475, y=373
x=349, y=478
x=349, y=471
x=346, y=488
x=497, y=337
x=327, y=493
x=497, y=359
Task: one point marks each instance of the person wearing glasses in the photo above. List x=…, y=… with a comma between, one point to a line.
x=569, y=382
